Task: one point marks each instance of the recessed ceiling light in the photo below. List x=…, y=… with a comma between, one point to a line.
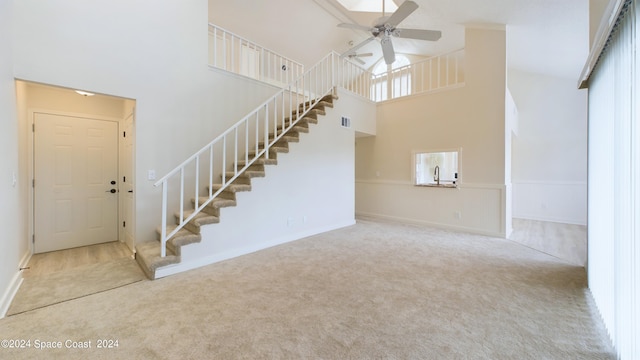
x=84, y=93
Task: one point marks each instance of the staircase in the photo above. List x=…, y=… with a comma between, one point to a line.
x=149, y=254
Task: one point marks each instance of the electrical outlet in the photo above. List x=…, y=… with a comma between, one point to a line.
x=151, y=175
x=457, y=215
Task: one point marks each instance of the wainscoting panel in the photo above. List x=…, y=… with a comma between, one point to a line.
x=475, y=208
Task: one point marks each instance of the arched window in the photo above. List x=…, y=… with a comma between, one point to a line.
x=401, y=80
x=381, y=67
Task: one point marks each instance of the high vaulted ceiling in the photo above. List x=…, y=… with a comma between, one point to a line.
x=543, y=36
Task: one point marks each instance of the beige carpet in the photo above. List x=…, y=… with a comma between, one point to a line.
x=44, y=290
x=370, y=291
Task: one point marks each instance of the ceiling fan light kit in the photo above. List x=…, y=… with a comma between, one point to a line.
x=385, y=27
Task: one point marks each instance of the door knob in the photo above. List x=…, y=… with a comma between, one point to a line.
x=113, y=191
x=130, y=191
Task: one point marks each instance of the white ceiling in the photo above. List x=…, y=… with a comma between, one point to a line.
x=543, y=36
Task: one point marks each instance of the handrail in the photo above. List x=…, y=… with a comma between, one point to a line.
x=236, y=54
x=434, y=73
x=255, y=133
x=259, y=130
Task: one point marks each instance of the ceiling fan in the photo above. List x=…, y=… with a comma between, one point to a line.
x=385, y=27
x=356, y=56
x=352, y=55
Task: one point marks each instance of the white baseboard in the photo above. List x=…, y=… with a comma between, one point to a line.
x=430, y=224
x=549, y=219
x=208, y=260
x=13, y=287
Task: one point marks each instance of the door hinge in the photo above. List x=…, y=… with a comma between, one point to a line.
x=124, y=224
x=124, y=134
x=33, y=238
x=33, y=183
x=124, y=179
x=33, y=127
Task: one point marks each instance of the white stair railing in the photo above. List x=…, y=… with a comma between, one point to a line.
x=353, y=77
x=242, y=144
x=236, y=54
x=253, y=136
x=434, y=73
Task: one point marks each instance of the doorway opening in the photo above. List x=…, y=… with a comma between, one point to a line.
x=78, y=152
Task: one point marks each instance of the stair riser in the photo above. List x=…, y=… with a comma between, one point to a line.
x=211, y=211
x=252, y=167
x=314, y=112
x=289, y=137
x=279, y=144
x=247, y=174
x=261, y=161
x=227, y=195
x=192, y=227
x=300, y=127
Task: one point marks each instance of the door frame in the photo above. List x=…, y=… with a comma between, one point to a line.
x=31, y=113
x=122, y=194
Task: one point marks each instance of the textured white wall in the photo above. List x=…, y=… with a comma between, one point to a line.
x=549, y=155
x=12, y=249
x=472, y=118
x=310, y=191
x=160, y=61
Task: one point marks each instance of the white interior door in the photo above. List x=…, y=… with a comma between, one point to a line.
x=76, y=173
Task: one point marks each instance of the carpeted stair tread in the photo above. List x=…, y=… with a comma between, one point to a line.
x=273, y=152
x=311, y=115
x=149, y=259
x=301, y=127
x=246, y=174
x=232, y=188
x=180, y=238
x=318, y=102
x=314, y=111
x=261, y=160
x=198, y=220
x=215, y=203
x=282, y=142
x=252, y=167
x=288, y=137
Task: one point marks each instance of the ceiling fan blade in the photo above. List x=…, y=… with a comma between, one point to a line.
x=403, y=11
x=387, y=51
x=354, y=26
x=365, y=54
x=431, y=35
x=358, y=60
x=352, y=51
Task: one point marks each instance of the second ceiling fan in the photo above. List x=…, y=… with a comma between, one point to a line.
x=385, y=27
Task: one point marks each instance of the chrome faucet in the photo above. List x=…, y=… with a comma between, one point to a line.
x=436, y=175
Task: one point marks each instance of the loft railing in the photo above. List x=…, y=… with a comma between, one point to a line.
x=353, y=77
x=236, y=54
x=241, y=145
x=434, y=73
